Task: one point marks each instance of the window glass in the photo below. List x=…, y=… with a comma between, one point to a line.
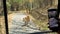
x=28, y=16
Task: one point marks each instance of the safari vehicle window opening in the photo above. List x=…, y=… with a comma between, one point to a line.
x=6, y=19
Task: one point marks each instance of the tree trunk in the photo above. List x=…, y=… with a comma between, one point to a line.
x=12, y=8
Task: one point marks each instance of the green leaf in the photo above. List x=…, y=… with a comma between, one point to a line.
x=8, y=4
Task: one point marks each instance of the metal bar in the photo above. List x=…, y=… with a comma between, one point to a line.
x=42, y=32
x=5, y=15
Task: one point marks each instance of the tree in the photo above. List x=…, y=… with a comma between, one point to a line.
x=14, y=4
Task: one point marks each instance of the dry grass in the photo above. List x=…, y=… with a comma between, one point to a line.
x=2, y=25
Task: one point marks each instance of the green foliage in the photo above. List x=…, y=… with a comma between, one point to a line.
x=19, y=1
x=12, y=1
x=8, y=4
